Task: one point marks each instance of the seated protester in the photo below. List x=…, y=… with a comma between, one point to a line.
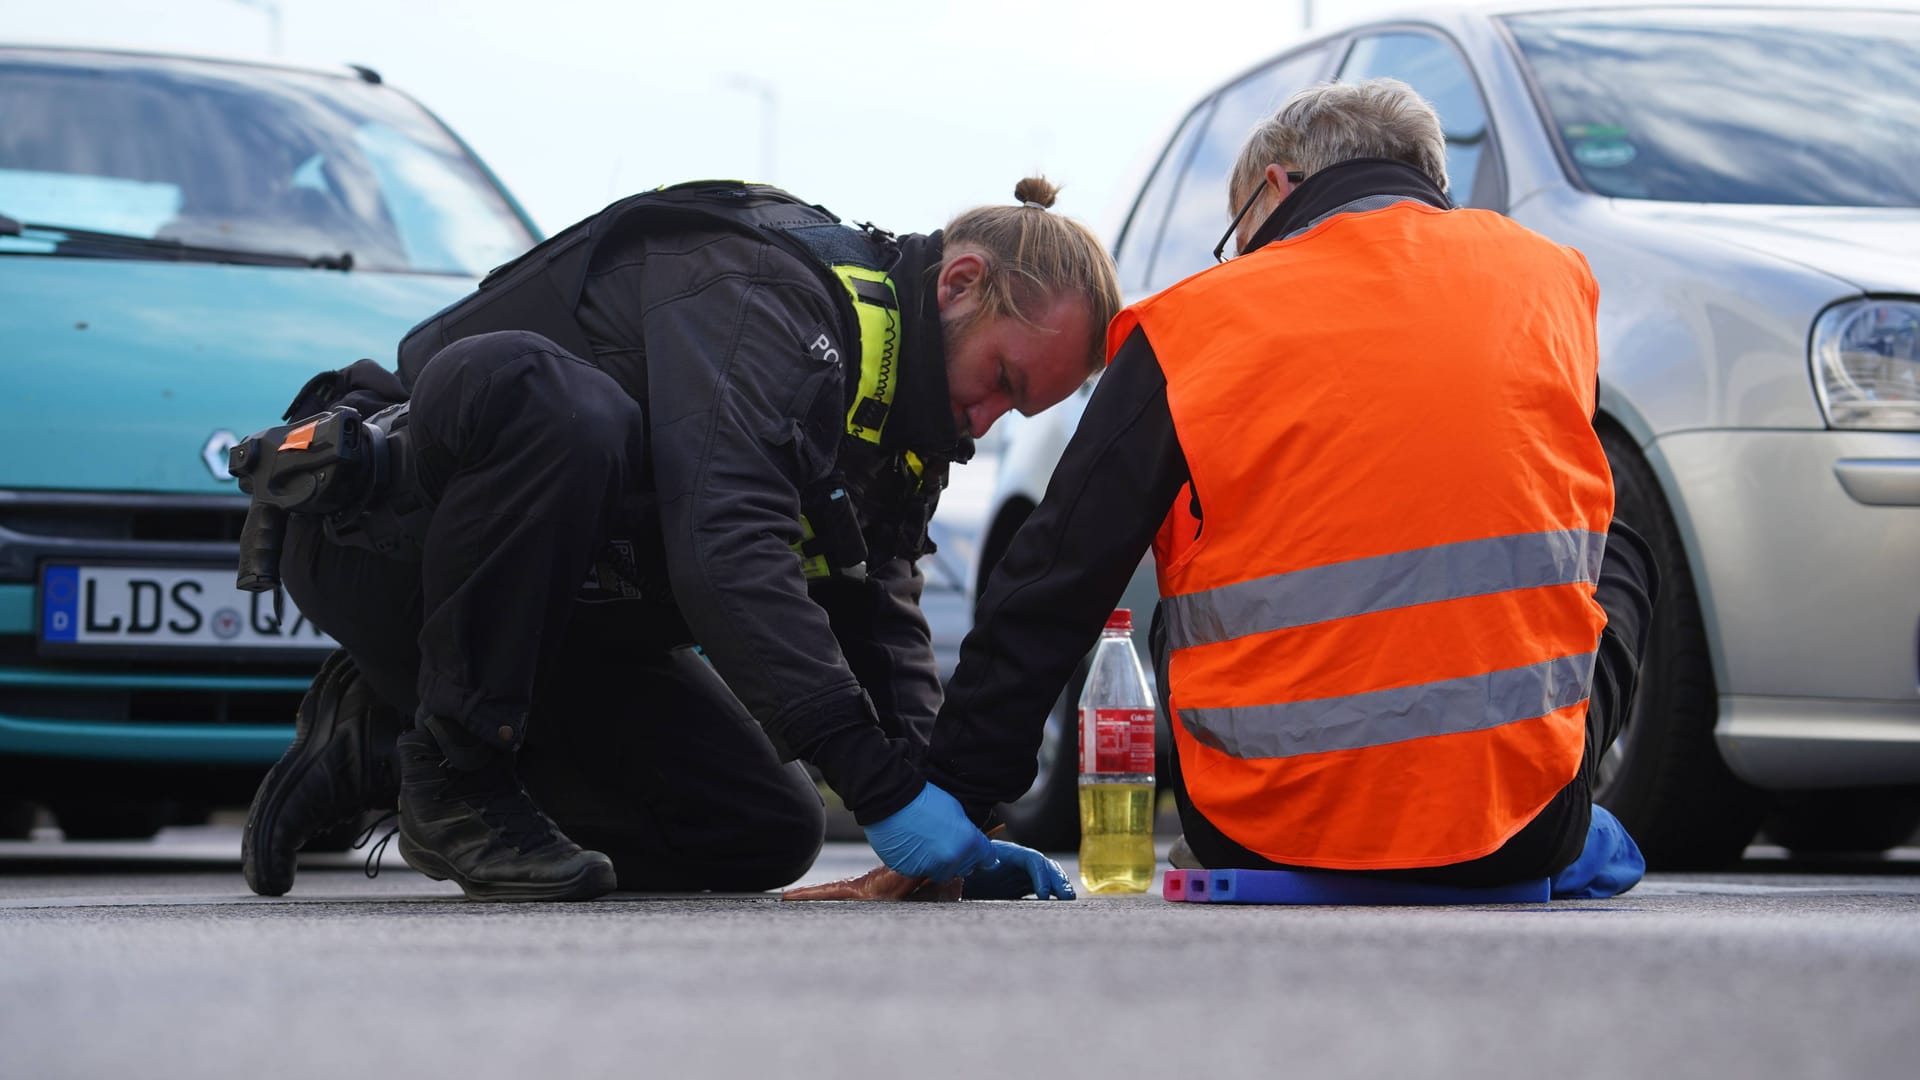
x=1398, y=628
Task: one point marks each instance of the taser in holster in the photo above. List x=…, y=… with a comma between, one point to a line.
x=334, y=464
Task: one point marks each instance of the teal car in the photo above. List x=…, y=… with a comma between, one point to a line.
x=183, y=242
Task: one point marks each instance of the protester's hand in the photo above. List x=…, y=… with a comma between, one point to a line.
x=880, y=883
x=930, y=837
x=1018, y=872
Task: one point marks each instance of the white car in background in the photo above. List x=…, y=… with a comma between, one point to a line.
x=1746, y=185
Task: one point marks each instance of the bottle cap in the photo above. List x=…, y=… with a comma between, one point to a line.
x=1121, y=619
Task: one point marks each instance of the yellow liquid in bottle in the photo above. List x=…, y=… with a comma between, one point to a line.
x=1116, y=837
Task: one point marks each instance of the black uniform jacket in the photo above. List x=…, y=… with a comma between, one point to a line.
x=719, y=336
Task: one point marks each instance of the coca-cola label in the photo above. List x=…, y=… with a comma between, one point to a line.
x=1116, y=741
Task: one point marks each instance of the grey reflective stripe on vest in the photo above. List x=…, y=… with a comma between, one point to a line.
x=1474, y=703
x=1381, y=583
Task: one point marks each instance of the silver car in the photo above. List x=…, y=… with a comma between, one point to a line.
x=1746, y=186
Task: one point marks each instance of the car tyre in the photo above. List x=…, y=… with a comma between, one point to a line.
x=1854, y=820
x=113, y=819
x=1665, y=778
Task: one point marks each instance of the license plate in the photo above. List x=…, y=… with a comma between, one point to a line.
x=178, y=609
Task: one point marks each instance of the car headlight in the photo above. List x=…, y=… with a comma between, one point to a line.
x=1866, y=364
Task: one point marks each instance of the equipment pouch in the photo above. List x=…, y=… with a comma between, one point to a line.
x=835, y=545
x=911, y=536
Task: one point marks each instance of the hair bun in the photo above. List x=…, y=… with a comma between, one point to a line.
x=1036, y=191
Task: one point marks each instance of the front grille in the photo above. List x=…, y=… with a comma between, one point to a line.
x=19, y=651
x=151, y=706
x=44, y=526
x=152, y=518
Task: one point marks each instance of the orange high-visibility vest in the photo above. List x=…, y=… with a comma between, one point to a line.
x=1382, y=625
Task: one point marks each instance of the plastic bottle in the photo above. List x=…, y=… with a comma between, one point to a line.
x=1116, y=766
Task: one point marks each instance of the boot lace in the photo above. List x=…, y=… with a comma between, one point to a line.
x=372, y=869
x=519, y=822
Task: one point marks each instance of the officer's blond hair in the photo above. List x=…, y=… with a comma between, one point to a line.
x=1327, y=124
x=1033, y=255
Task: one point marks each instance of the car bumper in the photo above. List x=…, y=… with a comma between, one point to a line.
x=33, y=699
x=144, y=744
x=1783, y=744
x=1806, y=552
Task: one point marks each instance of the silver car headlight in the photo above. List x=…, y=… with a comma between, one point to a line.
x=1866, y=364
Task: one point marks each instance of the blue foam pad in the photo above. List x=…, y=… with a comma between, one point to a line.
x=1306, y=887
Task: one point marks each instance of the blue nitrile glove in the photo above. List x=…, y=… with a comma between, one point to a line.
x=930, y=837
x=1609, y=865
x=1018, y=872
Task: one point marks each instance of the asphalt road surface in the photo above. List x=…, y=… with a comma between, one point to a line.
x=153, y=961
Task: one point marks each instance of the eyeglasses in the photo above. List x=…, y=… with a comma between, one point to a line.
x=1294, y=176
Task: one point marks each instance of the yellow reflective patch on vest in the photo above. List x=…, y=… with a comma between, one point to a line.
x=811, y=566
x=877, y=306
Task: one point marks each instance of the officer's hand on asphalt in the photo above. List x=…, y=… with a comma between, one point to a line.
x=1017, y=872
x=930, y=837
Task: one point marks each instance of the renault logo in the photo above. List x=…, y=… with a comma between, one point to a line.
x=215, y=453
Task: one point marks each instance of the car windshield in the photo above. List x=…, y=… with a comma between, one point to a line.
x=245, y=158
x=1808, y=108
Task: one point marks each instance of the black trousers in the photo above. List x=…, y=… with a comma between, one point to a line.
x=1554, y=838
x=626, y=736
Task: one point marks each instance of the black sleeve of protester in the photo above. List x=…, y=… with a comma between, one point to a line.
x=1047, y=599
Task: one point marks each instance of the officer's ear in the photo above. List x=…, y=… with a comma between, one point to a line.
x=959, y=284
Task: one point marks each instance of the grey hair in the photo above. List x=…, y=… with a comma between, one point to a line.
x=1329, y=123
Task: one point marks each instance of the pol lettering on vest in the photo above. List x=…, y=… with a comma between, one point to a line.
x=823, y=349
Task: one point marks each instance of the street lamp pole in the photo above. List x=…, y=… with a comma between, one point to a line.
x=769, y=117
x=272, y=10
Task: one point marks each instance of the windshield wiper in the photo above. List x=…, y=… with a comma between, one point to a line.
x=123, y=245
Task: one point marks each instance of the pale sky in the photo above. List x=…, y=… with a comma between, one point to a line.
x=899, y=113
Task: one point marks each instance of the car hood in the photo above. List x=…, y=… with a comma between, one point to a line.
x=1870, y=248
x=126, y=375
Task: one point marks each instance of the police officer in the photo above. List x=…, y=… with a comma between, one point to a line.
x=730, y=416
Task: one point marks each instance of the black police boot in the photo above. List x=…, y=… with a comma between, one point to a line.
x=341, y=763
x=480, y=829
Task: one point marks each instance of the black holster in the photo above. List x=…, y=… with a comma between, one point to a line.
x=361, y=476
x=827, y=511
x=392, y=520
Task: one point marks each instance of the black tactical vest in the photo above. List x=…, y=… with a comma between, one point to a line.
x=540, y=290
x=894, y=491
